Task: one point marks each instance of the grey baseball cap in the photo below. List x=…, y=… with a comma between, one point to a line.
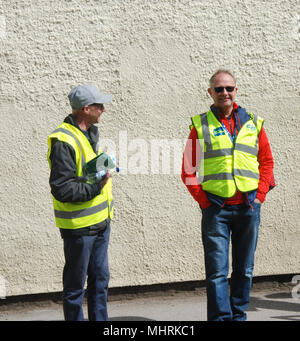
x=87, y=94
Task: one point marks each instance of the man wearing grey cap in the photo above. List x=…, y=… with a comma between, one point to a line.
x=82, y=210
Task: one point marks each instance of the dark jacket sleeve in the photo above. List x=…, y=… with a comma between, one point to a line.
x=65, y=185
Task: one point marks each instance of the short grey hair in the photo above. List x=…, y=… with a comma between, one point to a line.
x=213, y=77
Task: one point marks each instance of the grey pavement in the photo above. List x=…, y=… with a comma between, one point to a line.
x=266, y=304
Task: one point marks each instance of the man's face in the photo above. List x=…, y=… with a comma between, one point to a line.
x=94, y=111
x=223, y=98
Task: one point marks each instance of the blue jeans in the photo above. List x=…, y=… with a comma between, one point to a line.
x=241, y=223
x=86, y=257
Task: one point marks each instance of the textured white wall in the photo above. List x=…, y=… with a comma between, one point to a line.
x=155, y=57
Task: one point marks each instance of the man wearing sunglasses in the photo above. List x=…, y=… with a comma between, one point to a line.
x=228, y=169
x=82, y=210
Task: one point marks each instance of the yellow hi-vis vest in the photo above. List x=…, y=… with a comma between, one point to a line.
x=226, y=165
x=75, y=215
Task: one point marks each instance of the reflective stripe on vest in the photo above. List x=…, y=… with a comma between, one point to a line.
x=70, y=215
x=80, y=213
x=84, y=212
x=228, y=151
x=226, y=166
x=68, y=132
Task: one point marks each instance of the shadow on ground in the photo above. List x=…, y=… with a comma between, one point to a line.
x=277, y=301
x=129, y=318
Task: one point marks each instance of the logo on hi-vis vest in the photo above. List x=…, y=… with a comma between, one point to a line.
x=251, y=126
x=218, y=131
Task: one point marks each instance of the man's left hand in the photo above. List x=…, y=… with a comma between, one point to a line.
x=257, y=201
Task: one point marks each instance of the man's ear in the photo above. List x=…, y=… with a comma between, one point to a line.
x=85, y=109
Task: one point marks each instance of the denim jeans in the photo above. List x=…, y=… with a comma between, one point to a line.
x=86, y=257
x=240, y=224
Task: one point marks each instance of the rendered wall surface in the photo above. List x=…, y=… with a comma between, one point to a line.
x=155, y=57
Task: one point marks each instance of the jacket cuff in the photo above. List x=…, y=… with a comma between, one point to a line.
x=96, y=189
x=261, y=197
x=205, y=204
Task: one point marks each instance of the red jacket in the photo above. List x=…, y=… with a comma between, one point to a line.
x=191, y=160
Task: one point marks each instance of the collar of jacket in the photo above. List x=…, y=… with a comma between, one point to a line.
x=93, y=131
x=237, y=110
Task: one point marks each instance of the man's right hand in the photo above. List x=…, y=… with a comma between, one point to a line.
x=103, y=182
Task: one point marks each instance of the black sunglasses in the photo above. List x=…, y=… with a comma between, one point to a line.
x=221, y=89
x=98, y=105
